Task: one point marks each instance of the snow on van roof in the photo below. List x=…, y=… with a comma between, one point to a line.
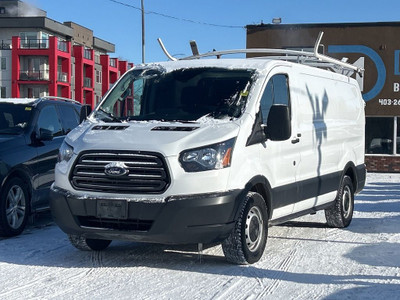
x=18, y=100
x=236, y=63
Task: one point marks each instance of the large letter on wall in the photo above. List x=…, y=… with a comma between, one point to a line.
x=380, y=66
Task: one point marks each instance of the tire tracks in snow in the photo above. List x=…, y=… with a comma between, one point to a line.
x=59, y=281
x=241, y=288
x=282, y=267
x=48, y=280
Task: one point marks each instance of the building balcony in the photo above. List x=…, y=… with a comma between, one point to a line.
x=33, y=75
x=5, y=45
x=35, y=44
x=62, y=77
x=87, y=82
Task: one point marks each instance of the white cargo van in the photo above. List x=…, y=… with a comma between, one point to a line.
x=213, y=150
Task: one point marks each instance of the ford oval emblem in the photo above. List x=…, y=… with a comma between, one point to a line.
x=116, y=169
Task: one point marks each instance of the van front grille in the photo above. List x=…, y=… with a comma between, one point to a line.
x=143, y=172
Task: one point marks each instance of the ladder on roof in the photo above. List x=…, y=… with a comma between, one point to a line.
x=304, y=57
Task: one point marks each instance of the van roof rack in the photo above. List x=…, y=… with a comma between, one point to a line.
x=304, y=57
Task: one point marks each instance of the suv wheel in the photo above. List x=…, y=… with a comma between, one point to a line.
x=85, y=244
x=340, y=213
x=14, y=207
x=246, y=243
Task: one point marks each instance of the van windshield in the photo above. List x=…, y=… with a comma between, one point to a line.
x=14, y=118
x=182, y=95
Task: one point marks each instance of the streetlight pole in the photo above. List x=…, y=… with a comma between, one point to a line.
x=143, y=39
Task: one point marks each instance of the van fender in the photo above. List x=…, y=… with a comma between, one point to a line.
x=258, y=184
x=351, y=171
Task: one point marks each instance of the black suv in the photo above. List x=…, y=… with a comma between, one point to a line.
x=31, y=132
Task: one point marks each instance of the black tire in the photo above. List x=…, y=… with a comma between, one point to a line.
x=246, y=243
x=14, y=207
x=340, y=214
x=85, y=244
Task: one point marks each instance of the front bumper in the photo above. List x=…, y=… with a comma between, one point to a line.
x=201, y=218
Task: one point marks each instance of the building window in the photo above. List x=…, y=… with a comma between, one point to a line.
x=97, y=58
x=34, y=91
x=98, y=76
x=380, y=132
x=34, y=68
x=3, y=92
x=44, y=40
x=3, y=63
x=2, y=10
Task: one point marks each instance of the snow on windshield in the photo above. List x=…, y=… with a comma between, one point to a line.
x=183, y=95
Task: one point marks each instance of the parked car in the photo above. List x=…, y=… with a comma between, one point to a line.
x=31, y=132
x=201, y=151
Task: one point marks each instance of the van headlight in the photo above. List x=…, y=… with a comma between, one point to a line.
x=65, y=152
x=216, y=156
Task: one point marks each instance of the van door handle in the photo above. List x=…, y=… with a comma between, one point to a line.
x=295, y=141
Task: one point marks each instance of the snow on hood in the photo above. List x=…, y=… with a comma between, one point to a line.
x=168, y=138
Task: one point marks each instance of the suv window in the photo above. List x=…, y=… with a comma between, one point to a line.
x=14, y=118
x=70, y=117
x=48, y=119
x=276, y=92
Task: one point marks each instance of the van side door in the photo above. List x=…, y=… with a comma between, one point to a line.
x=280, y=157
x=321, y=147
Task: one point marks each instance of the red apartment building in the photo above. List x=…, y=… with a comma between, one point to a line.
x=41, y=57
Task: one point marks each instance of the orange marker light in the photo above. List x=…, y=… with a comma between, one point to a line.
x=226, y=161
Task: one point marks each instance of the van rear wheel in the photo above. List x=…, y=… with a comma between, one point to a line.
x=246, y=243
x=85, y=244
x=340, y=214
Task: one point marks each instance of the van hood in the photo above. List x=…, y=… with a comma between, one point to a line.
x=168, y=138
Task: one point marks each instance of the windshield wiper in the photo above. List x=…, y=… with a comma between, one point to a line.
x=109, y=115
x=181, y=121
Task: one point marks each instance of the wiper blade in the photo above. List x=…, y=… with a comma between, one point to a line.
x=109, y=115
x=181, y=121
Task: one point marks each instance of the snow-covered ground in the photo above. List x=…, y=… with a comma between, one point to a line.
x=304, y=260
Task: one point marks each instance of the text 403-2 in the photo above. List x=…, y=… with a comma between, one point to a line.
x=389, y=101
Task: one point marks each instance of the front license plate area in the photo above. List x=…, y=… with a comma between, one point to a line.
x=112, y=209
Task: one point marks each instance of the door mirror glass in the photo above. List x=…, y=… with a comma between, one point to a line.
x=278, y=124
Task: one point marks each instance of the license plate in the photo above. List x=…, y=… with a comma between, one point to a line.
x=112, y=209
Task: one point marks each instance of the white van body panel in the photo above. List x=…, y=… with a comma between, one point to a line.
x=296, y=175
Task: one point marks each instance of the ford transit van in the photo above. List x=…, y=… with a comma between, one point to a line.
x=214, y=150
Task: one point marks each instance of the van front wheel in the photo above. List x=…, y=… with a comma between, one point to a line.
x=246, y=243
x=340, y=214
x=85, y=244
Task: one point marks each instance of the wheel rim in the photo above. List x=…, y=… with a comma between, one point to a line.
x=15, y=207
x=347, y=204
x=254, y=228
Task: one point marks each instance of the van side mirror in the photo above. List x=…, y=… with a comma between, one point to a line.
x=85, y=111
x=278, y=123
